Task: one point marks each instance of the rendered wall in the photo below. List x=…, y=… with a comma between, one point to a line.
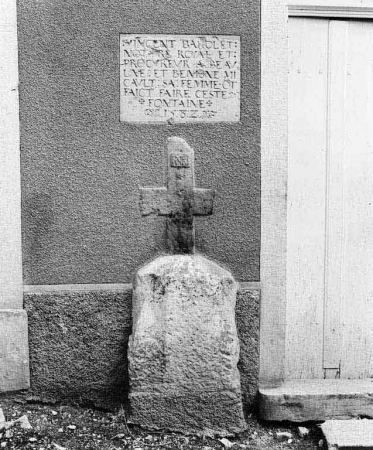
x=81, y=167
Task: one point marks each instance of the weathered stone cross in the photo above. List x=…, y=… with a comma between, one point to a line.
x=180, y=201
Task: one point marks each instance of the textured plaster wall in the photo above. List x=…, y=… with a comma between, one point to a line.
x=78, y=345
x=81, y=167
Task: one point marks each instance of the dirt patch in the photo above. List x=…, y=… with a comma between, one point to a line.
x=62, y=426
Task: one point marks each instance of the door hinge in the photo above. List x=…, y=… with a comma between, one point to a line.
x=332, y=372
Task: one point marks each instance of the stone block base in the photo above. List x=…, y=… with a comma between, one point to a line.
x=200, y=413
x=184, y=347
x=14, y=359
x=317, y=400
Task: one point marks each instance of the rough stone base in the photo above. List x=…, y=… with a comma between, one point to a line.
x=78, y=343
x=14, y=356
x=183, y=412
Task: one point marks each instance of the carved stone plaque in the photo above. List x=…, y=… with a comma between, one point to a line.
x=179, y=78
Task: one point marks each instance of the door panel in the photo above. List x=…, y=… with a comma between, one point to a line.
x=335, y=174
x=354, y=342
x=330, y=213
x=306, y=196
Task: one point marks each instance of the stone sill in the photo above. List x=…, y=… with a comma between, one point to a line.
x=317, y=400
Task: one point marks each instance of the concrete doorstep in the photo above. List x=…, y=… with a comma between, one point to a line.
x=348, y=434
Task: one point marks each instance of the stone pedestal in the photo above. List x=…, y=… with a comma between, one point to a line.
x=14, y=357
x=184, y=349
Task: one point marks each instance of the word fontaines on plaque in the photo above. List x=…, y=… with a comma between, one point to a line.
x=179, y=78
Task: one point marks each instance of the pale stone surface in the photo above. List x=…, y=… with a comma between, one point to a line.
x=179, y=78
x=14, y=362
x=304, y=400
x=348, y=434
x=183, y=351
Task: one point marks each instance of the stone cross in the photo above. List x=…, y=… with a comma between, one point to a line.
x=180, y=201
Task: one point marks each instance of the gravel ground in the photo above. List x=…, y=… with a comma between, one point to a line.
x=58, y=427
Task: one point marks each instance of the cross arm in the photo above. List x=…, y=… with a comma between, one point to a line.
x=203, y=202
x=154, y=201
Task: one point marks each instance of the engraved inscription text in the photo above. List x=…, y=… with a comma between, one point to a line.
x=179, y=78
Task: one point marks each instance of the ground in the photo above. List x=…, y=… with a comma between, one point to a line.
x=57, y=427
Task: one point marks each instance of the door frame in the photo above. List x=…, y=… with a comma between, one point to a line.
x=331, y=8
x=274, y=171
x=10, y=189
x=14, y=359
x=274, y=143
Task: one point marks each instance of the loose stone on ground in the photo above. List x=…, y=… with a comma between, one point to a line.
x=303, y=431
x=348, y=434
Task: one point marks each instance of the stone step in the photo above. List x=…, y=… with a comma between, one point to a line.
x=317, y=400
x=348, y=434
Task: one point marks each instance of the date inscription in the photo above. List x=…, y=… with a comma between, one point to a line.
x=179, y=160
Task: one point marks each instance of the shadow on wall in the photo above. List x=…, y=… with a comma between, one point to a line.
x=37, y=223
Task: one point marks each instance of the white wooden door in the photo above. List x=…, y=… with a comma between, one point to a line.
x=330, y=199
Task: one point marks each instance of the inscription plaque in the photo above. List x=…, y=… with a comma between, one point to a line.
x=179, y=78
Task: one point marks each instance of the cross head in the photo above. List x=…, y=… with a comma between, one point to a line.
x=180, y=201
